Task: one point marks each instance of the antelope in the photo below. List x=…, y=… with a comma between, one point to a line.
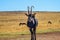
x=31, y=22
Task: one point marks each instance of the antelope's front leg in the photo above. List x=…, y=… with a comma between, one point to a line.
x=31, y=34
x=34, y=33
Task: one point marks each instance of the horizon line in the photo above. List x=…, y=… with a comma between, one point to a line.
x=26, y=11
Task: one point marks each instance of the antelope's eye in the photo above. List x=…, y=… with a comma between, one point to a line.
x=32, y=16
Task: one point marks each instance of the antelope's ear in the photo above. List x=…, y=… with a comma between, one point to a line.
x=26, y=14
x=34, y=14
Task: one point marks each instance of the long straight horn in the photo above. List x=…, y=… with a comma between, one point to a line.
x=28, y=9
x=31, y=9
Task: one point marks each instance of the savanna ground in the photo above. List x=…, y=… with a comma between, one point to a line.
x=10, y=29
x=44, y=36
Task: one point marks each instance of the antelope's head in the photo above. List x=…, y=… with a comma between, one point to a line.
x=30, y=14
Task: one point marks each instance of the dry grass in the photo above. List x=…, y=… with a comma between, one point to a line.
x=9, y=22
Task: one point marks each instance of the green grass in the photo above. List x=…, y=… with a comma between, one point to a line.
x=25, y=33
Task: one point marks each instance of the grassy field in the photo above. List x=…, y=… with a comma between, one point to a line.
x=9, y=22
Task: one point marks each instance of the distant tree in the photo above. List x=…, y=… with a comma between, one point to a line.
x=22, y=23
x=49, y=22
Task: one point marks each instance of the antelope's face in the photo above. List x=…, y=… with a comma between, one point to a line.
x=31, y=17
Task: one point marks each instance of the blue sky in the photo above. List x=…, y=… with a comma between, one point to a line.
x=21, y=5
